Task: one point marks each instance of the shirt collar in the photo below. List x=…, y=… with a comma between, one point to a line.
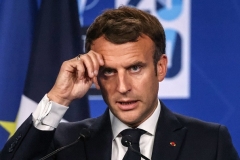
x=149, y=125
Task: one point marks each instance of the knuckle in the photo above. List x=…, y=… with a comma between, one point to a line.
x=65, y=63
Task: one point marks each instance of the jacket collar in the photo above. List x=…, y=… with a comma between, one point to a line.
x=169, y=136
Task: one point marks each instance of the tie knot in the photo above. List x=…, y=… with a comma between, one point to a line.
x=135, y=134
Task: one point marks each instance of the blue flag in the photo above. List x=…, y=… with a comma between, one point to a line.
x=57, y=38
x=16, y=29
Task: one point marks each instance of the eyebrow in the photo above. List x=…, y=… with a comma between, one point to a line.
x=137, y=63
x=106, y=68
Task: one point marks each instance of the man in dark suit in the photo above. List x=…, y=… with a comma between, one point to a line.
x=126, y=60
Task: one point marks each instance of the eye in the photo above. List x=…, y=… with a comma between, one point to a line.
x=108, y=72
x=135, y=68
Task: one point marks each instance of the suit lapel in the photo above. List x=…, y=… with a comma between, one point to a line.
x=99, y=145
x=169, y=136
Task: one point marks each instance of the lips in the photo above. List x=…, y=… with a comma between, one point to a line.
x=127, y=105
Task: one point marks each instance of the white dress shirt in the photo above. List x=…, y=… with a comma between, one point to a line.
x=48, y=115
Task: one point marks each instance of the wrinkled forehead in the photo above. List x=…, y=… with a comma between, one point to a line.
x=126, y=54
x=142, y=43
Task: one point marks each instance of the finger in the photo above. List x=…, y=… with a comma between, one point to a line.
x=99, y=57
x=75, y=67
x=68, y=66
x=81, y=71
x=88, y=64
x=95, y=61
x=96, y=82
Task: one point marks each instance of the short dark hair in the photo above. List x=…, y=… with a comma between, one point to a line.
x=126, y=24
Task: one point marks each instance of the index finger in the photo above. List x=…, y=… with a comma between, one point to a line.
x=99, y=57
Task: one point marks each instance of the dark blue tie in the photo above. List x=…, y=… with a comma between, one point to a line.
x=135, y=135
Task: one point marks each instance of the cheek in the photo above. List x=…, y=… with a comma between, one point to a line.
x=147, y=87
x=146, y=80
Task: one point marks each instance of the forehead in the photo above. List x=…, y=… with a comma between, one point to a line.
x=141, y=49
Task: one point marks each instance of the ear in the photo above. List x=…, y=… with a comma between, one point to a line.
x=162, y=67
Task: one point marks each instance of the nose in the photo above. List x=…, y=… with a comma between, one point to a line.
x=124, y=84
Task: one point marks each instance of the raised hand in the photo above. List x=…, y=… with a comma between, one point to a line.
x=76, y=77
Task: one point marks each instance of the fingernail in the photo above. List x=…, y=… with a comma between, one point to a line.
x=101, y=61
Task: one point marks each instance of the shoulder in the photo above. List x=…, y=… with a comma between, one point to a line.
x=208, y=135
x=75, y=126
x=195, y=123
x=70, y=131
x=200, y=129
x=190, y=123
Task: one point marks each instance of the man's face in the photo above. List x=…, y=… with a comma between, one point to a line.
x=128, y=80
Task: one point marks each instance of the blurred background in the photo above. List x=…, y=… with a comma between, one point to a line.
x=203, y=48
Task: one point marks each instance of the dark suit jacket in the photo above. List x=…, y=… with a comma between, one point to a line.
x=194, y=139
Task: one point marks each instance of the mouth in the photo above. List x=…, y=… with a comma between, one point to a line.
x=127, y=105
